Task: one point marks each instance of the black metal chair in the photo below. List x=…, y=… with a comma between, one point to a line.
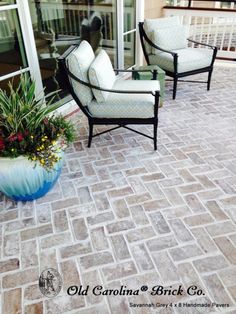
x=156, y=55
x=148, y=95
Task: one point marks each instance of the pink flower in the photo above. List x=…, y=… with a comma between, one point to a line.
x=12, y=138
x=2, y=145
x=20, y=137
x=45, y=121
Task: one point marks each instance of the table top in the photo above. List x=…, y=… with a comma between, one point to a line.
x=149, y=67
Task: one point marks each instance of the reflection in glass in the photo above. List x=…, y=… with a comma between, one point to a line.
x=228, y=5
x=59, y=24
x=129, y=26
x=129, y=49
x=129, y=15
x=6, y=2
x=12, y=52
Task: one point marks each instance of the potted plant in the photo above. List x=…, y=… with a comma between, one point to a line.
x=32, y=142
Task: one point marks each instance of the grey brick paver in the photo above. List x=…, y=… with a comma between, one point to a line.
x=122, y=213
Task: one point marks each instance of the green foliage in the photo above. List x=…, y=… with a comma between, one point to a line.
x=66, y=127
x=21, y=110
x=28, y=126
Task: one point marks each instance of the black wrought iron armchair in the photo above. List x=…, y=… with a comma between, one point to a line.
x=145, y=98
x=172, y=61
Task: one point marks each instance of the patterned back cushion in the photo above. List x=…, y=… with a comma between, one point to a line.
x=101, y=74
x=170, y=38
x=151, y=25
x=79, y=62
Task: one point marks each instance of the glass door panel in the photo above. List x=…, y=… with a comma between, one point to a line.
x=12, y=50
x=129, y=15
x=129, y=34
x=102, y=27
x=59, y=24
x=129, y=49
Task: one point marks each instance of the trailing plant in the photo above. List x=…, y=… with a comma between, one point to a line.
x=29, y=127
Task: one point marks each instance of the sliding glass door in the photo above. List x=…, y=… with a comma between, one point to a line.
x=57, y=24
x=34, y=33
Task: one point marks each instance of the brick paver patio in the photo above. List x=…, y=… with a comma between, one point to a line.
x=123, y=214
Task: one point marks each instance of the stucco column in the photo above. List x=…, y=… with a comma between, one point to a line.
x=153, y=8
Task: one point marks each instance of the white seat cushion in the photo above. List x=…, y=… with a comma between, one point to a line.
x=151, y=25
x=101, y=74
x=127, y=105
x=79, y=62
x=170, y=38
x=188, y=59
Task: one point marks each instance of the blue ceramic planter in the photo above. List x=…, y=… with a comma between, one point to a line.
x=25, y=180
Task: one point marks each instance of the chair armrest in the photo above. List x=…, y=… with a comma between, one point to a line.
x=109, y=90
x=202, y=44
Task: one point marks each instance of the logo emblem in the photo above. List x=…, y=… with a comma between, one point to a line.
x=50, y=282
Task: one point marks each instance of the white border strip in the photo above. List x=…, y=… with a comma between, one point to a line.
x=129, y=32
x=7, y=76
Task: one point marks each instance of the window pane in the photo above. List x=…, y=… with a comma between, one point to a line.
x=129, y=50
x=129, y=15
x=226, y=5
x=59, y=25
x=12, y=51
x=102, y=25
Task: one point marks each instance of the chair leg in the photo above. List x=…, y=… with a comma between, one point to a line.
x=90, y=133
x=155, y=134
x=175, y=87
x=209, y=80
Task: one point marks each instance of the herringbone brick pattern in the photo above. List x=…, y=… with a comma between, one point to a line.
x=124, y=214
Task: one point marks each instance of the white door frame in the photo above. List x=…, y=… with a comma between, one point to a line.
x=29, y=41
x=140, y=8
x=120, y=31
